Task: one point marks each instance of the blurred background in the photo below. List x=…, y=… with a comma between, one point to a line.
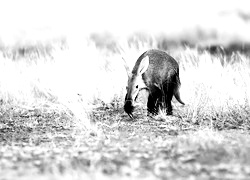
x=193, y=22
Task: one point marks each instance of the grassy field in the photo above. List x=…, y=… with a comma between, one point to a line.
x=61, y=116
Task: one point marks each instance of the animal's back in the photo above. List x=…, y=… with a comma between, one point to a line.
x=160, y=64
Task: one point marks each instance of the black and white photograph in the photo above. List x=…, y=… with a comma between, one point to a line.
x=126, y=90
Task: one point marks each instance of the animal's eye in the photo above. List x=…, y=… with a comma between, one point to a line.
x=136, y=86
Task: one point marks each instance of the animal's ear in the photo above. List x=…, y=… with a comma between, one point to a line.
x=129, y=75
x=143, y=65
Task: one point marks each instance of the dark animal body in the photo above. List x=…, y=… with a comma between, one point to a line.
x=157, y=72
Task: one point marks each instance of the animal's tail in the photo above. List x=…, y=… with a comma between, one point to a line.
x=177, y=92
x=177, y=96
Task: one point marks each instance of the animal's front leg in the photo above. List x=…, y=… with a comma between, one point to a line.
x=153, y=103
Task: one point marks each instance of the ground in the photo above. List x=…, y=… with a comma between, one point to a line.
x=47, y=145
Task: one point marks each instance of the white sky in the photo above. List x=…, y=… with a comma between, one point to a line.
x=31, y=18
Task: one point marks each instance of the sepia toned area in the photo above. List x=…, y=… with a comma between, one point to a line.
x=63, y=84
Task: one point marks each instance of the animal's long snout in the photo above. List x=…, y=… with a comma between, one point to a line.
x=128, y=107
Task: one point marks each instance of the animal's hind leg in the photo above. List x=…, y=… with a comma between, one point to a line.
x=168, y=99
x=169, y=105
x=168, y=94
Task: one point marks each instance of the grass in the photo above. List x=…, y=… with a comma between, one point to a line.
x=62, y=117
